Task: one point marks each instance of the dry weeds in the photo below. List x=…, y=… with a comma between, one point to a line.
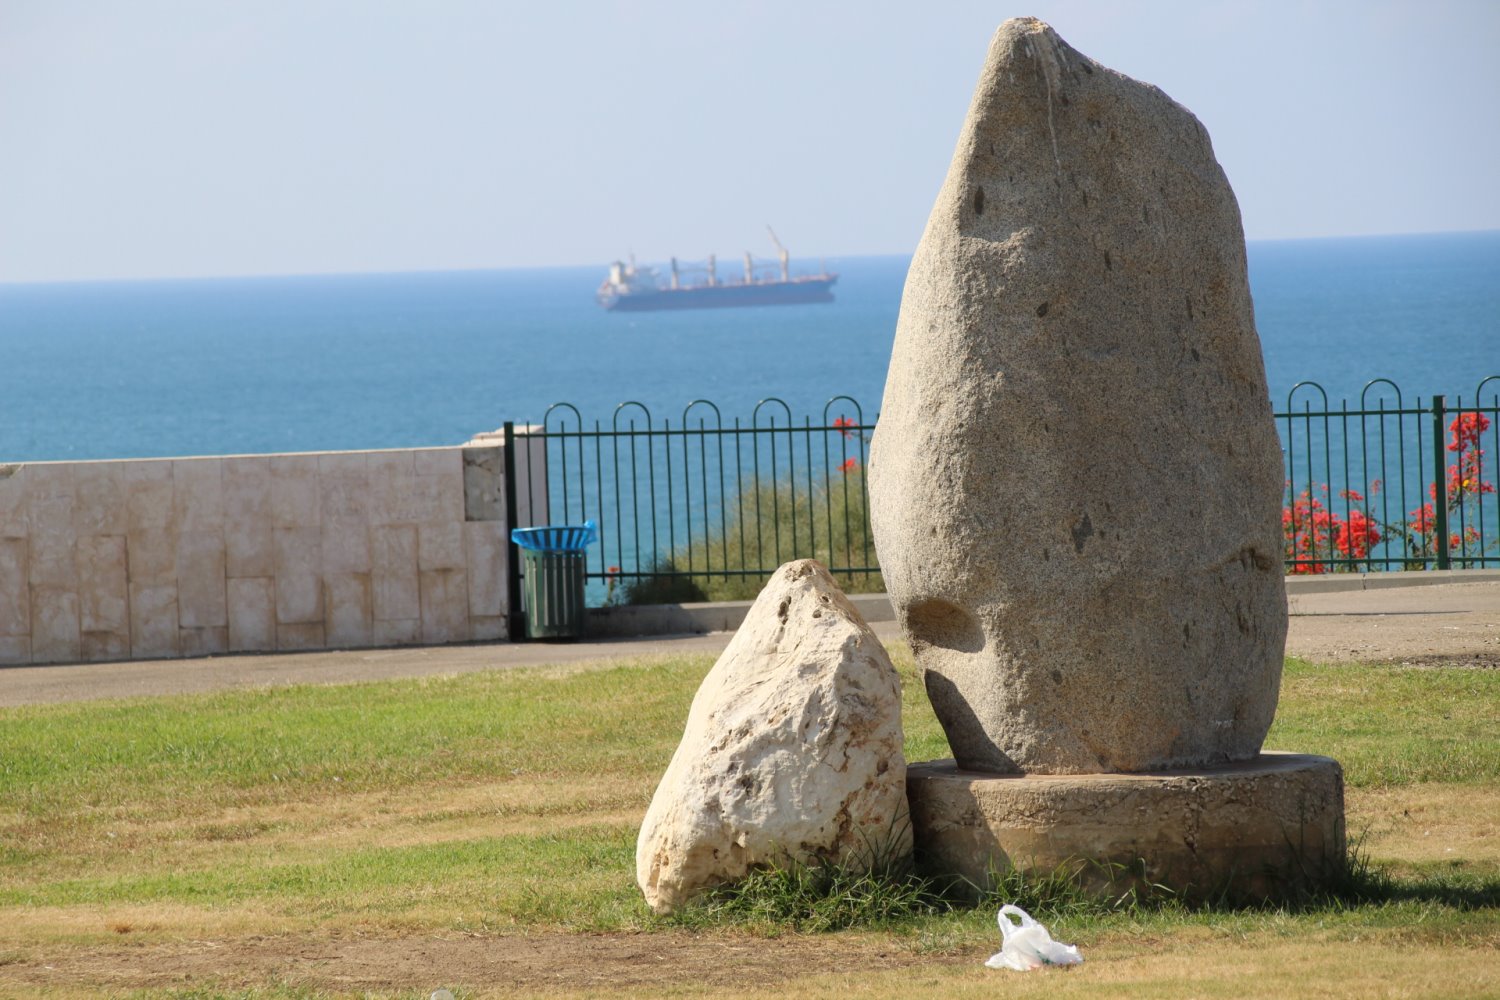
x=1427, y=823
x=1204, y=964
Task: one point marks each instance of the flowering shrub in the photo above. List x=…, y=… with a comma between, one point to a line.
x=1465, y=486
x=1420, y=532
x=1305, y=527
x=1312, y=531
x=1466, y=475
x=1315, y=535
x=1357, y=536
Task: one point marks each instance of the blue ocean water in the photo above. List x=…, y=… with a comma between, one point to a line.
x=246, y=365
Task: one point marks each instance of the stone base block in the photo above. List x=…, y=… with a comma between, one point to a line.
x=1267, y=828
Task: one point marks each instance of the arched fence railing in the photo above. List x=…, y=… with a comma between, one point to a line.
x=700, y=506
x=1390, y=483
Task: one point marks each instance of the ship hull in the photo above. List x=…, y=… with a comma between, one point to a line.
x=780, y=293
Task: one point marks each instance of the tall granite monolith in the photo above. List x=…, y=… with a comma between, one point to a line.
x=1075, y=484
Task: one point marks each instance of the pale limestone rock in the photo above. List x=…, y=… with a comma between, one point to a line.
x=1075, y=485
x=792, y=751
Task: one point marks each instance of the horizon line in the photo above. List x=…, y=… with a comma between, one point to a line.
x=254, y=275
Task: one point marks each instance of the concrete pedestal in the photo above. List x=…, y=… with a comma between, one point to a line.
x=1267, y=828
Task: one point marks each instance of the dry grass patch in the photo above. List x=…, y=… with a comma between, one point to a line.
x=478, y=832
x=1428, y=823
x=299, y=831
x=410, y=816
x=1256, y=966
x=1270, y=961
x=59, y=930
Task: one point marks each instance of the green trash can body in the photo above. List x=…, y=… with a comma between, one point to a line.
x=552, y=590
x=553, y=570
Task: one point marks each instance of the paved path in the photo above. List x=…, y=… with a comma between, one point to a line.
x=1454, y=623
x=84, y=681
x=1457, y=622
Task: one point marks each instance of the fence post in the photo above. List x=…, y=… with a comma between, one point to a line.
x=1439, y=487
x=515, y=625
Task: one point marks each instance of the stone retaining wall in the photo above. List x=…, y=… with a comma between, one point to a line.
x=195, y=556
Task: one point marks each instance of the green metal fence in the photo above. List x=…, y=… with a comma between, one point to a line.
x=700, y=507
x=1390, y=483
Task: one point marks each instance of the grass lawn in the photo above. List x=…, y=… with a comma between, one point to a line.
x=493, y=816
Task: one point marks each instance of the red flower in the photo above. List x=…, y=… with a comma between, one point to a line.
x=1465, y=430
x=1307, y=527
x=1466, y=476
x=612, y=571
x=1423, y=519
x=1358, y=536
x=850, y=464
x=845, y=425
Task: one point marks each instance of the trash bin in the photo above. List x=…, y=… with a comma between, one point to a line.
x=552, y=564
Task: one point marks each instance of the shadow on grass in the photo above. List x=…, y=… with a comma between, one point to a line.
x=1360, y=882
x=830, y=897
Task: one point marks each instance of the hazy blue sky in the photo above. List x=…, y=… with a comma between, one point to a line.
x=159, y=138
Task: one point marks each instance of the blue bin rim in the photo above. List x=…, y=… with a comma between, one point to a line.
x=556, y=537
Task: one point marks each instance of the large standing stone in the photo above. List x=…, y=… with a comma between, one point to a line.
x=1075, y=484
x=792, y=751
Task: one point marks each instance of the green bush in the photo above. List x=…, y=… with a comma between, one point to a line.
x=768, y=526
x=663, y=586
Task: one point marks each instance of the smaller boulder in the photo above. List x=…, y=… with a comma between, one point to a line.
x=792, y=752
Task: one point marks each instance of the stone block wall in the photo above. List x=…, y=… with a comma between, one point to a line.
x=196, y=556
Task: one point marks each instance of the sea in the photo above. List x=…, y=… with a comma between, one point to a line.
x=133, y=369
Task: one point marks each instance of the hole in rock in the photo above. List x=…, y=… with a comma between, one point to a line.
x=936, y=622
x=979, y=201
x=1082, y=532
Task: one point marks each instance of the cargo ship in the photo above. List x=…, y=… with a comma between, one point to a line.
x=630, y=288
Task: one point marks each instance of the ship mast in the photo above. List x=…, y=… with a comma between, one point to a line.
x=785, y=257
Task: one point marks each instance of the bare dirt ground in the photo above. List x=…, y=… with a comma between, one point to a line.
x=529, y=963
x=1195, y=962
x=149, y=678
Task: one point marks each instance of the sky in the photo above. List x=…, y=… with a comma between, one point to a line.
x=185, y=138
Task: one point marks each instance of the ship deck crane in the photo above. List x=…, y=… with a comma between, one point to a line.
x=786, y=258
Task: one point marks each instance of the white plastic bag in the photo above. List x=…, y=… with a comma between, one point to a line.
x=1027, y=945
